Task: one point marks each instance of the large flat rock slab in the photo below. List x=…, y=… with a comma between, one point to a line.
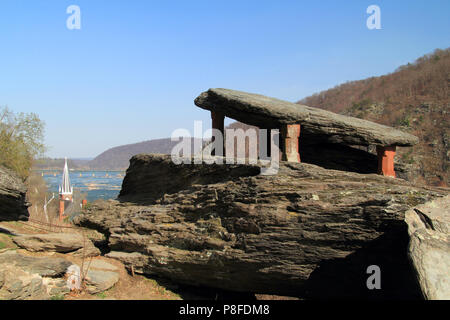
x=58, y=242
x=317, y=124
x=429, y=247
x=43, y=266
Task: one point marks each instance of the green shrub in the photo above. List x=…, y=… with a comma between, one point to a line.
x=21, y=140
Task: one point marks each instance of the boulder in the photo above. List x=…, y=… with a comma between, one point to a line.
x=317, y=125
x=99, y=275
x=72, y=243
x=429, y=247
x=100, y=280
x=306, y=231
x=13, y=205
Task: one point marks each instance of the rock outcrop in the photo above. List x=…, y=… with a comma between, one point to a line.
x=317, y=124
x=31, y=278
x=307, y=231
x=72, y=243
x=429, y=247
x=159, y=171
x=13, y=205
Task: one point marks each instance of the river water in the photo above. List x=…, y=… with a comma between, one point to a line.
x=95, y=184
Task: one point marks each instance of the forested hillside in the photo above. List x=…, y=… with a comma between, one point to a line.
x=415, y=98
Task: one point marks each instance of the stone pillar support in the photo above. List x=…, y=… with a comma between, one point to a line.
x=218, y=120
x=290, y=134
x=61, y=209
x=265, y=141
x=386, y=160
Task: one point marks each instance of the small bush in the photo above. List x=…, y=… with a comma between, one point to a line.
x=21, y=139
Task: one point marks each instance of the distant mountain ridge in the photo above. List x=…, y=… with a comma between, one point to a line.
x=118, y=158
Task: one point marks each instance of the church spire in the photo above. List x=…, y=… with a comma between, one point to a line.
x=65, y=191
x=65, y=188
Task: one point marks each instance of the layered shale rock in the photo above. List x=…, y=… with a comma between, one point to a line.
x=12, y=197
x=306, y=231
x=429, y=247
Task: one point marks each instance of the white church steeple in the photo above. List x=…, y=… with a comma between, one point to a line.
x=65, y=188
x=65, y=192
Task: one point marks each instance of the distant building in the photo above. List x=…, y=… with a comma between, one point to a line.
x=65, y=192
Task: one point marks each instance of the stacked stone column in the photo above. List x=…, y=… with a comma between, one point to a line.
x=218, y=123
x=290, y=135
x=386, y=160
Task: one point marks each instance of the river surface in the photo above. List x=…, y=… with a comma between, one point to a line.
x=95, y=184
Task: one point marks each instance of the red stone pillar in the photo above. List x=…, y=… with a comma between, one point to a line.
x=290, y=134
x=61, y=209
x=386, y=160
x=218, y=120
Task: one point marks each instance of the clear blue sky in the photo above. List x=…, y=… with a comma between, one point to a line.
x=133, y=70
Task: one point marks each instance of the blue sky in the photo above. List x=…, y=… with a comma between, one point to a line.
x=133, y=70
